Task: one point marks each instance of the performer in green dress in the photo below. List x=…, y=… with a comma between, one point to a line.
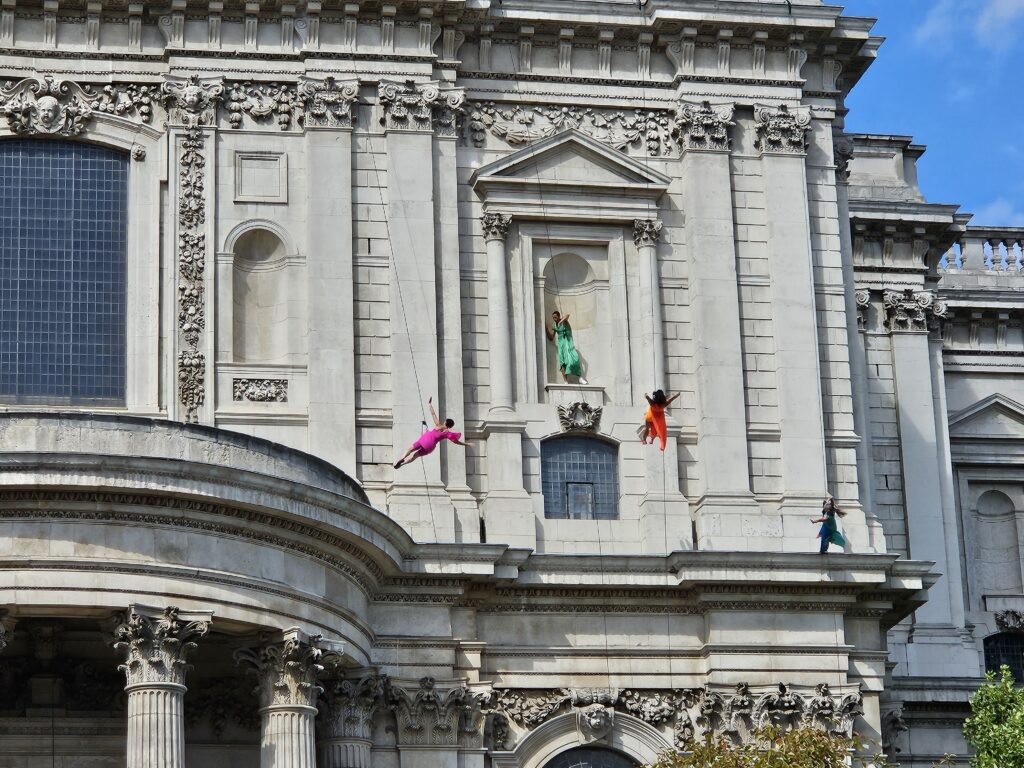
x=568, y=357
x=829, y=531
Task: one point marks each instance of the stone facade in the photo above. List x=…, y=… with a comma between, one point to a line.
x=337, y=210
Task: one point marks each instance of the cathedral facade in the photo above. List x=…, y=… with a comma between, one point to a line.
x=250, y=251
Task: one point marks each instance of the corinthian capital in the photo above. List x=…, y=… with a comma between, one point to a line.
x=347, y=706
x=156, y=644
x=435, y=716
x=408, y=106
x=286, y=671
x=910, y=310
x=781, y=131
x=703, y=126
x=328, y=102
x=646, y=232
x=495, y=225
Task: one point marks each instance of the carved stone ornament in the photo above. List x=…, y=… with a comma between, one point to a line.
x=692, y=713
x=220, y=701
x=46, y=106
x=280, y=102
x=646, y=232
x=703, y=126
x=910, y=310
x=863, y=299
x=518, y=124
x=1010, y=621
x=842, y=149
x=259, y=390
x=328, y=103
x=893, y=728
x=3, y=632
x=495, y=225
x=448, y=112
x=192, y=101
x=580, y=417
x=286, y=671
x=433, y=716
x=781, y=131
x=191, y=272
x=347, y=707
x=156, y=647
x=138, y=153
x=408, y=106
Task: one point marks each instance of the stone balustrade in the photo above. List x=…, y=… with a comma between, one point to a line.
x=986, y=249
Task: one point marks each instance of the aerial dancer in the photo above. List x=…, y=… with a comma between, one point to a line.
x=428, y=440
x=568, y=358
x=654, y=419
x=829, y=531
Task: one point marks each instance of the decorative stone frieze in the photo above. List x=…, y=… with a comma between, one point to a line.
x=495, y=225
x=704, y=126
x=646, y=232
x=408, y=106
x=433, y=716
x=259, y=390
x=156, y=646
x=263, y=102
x=328, y=102
x=126, y=99
x=1010, y=621
x=192, y=102
x=528, y=707
x=580, y=417
x=518, y=124
x=347, y=707
x=46, y=106
x=191, y=272
x=781, y=130
x=910, y=310
x=286, y=671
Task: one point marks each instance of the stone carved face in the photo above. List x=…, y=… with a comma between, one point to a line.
x=48, y=109
x=192, y=98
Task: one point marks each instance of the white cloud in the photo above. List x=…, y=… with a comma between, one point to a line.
x=938, y=24
x=996, y=16
x=993, y=22
x=1001, y=212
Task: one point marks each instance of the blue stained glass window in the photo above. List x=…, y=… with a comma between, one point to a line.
x=1006, y=648
x=589, y=757
x=63, y=245
x=579, y=477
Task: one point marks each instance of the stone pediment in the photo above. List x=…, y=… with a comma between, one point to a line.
x=571, y=175
x=995, y=417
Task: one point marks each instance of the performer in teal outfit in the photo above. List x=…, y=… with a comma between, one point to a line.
x=829, y=531
x=568, y=357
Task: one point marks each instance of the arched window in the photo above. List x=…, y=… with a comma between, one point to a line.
x=591, y=757
x=63, y=246
x=579, y=478
x=1006, y=648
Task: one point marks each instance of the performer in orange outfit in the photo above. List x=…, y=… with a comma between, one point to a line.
x=654, y=419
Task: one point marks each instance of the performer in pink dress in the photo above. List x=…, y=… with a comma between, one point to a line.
x=428, y=440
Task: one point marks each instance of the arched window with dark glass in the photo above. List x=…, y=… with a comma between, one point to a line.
x=591, y=757
x=63, y=248
x=579, y=478
x=1006, y=648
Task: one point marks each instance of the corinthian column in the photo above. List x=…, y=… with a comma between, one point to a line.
x=155, y=645
x=646, y=233
x=287, y=686
x=346, y=711
x=499, y=324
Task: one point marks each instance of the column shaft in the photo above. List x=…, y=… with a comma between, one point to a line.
x=288, y=739
x=722, y=425
x=332, y=408
x=651, y=317
x=345, y=753
x=156, y=736
x=499, y=326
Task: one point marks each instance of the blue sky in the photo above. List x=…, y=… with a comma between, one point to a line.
x=951, y=75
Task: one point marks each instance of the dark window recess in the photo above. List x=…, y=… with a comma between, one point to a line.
x=579, y=479
x=588, y=757
x=63, y=246
x=1006, y=648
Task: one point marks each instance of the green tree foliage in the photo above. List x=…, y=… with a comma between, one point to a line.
x=995, y=728
x=772, y=748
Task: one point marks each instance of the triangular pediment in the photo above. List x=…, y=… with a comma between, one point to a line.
x=997, y=416
x=571, y=165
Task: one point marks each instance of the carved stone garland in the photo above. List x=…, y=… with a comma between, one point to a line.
x=1010, y=621
x=191, y=271
x=910, y=310
x=781, y=131
x=703, y=126
x=580, y=417
x=521, y=124
x=259, y=390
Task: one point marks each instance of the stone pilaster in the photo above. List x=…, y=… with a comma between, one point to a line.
x=723, y=494
x=347, y=708
x=782, y=139
x=646, y=234
x=499, y=322
x=287, y=686
x=155, y=645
